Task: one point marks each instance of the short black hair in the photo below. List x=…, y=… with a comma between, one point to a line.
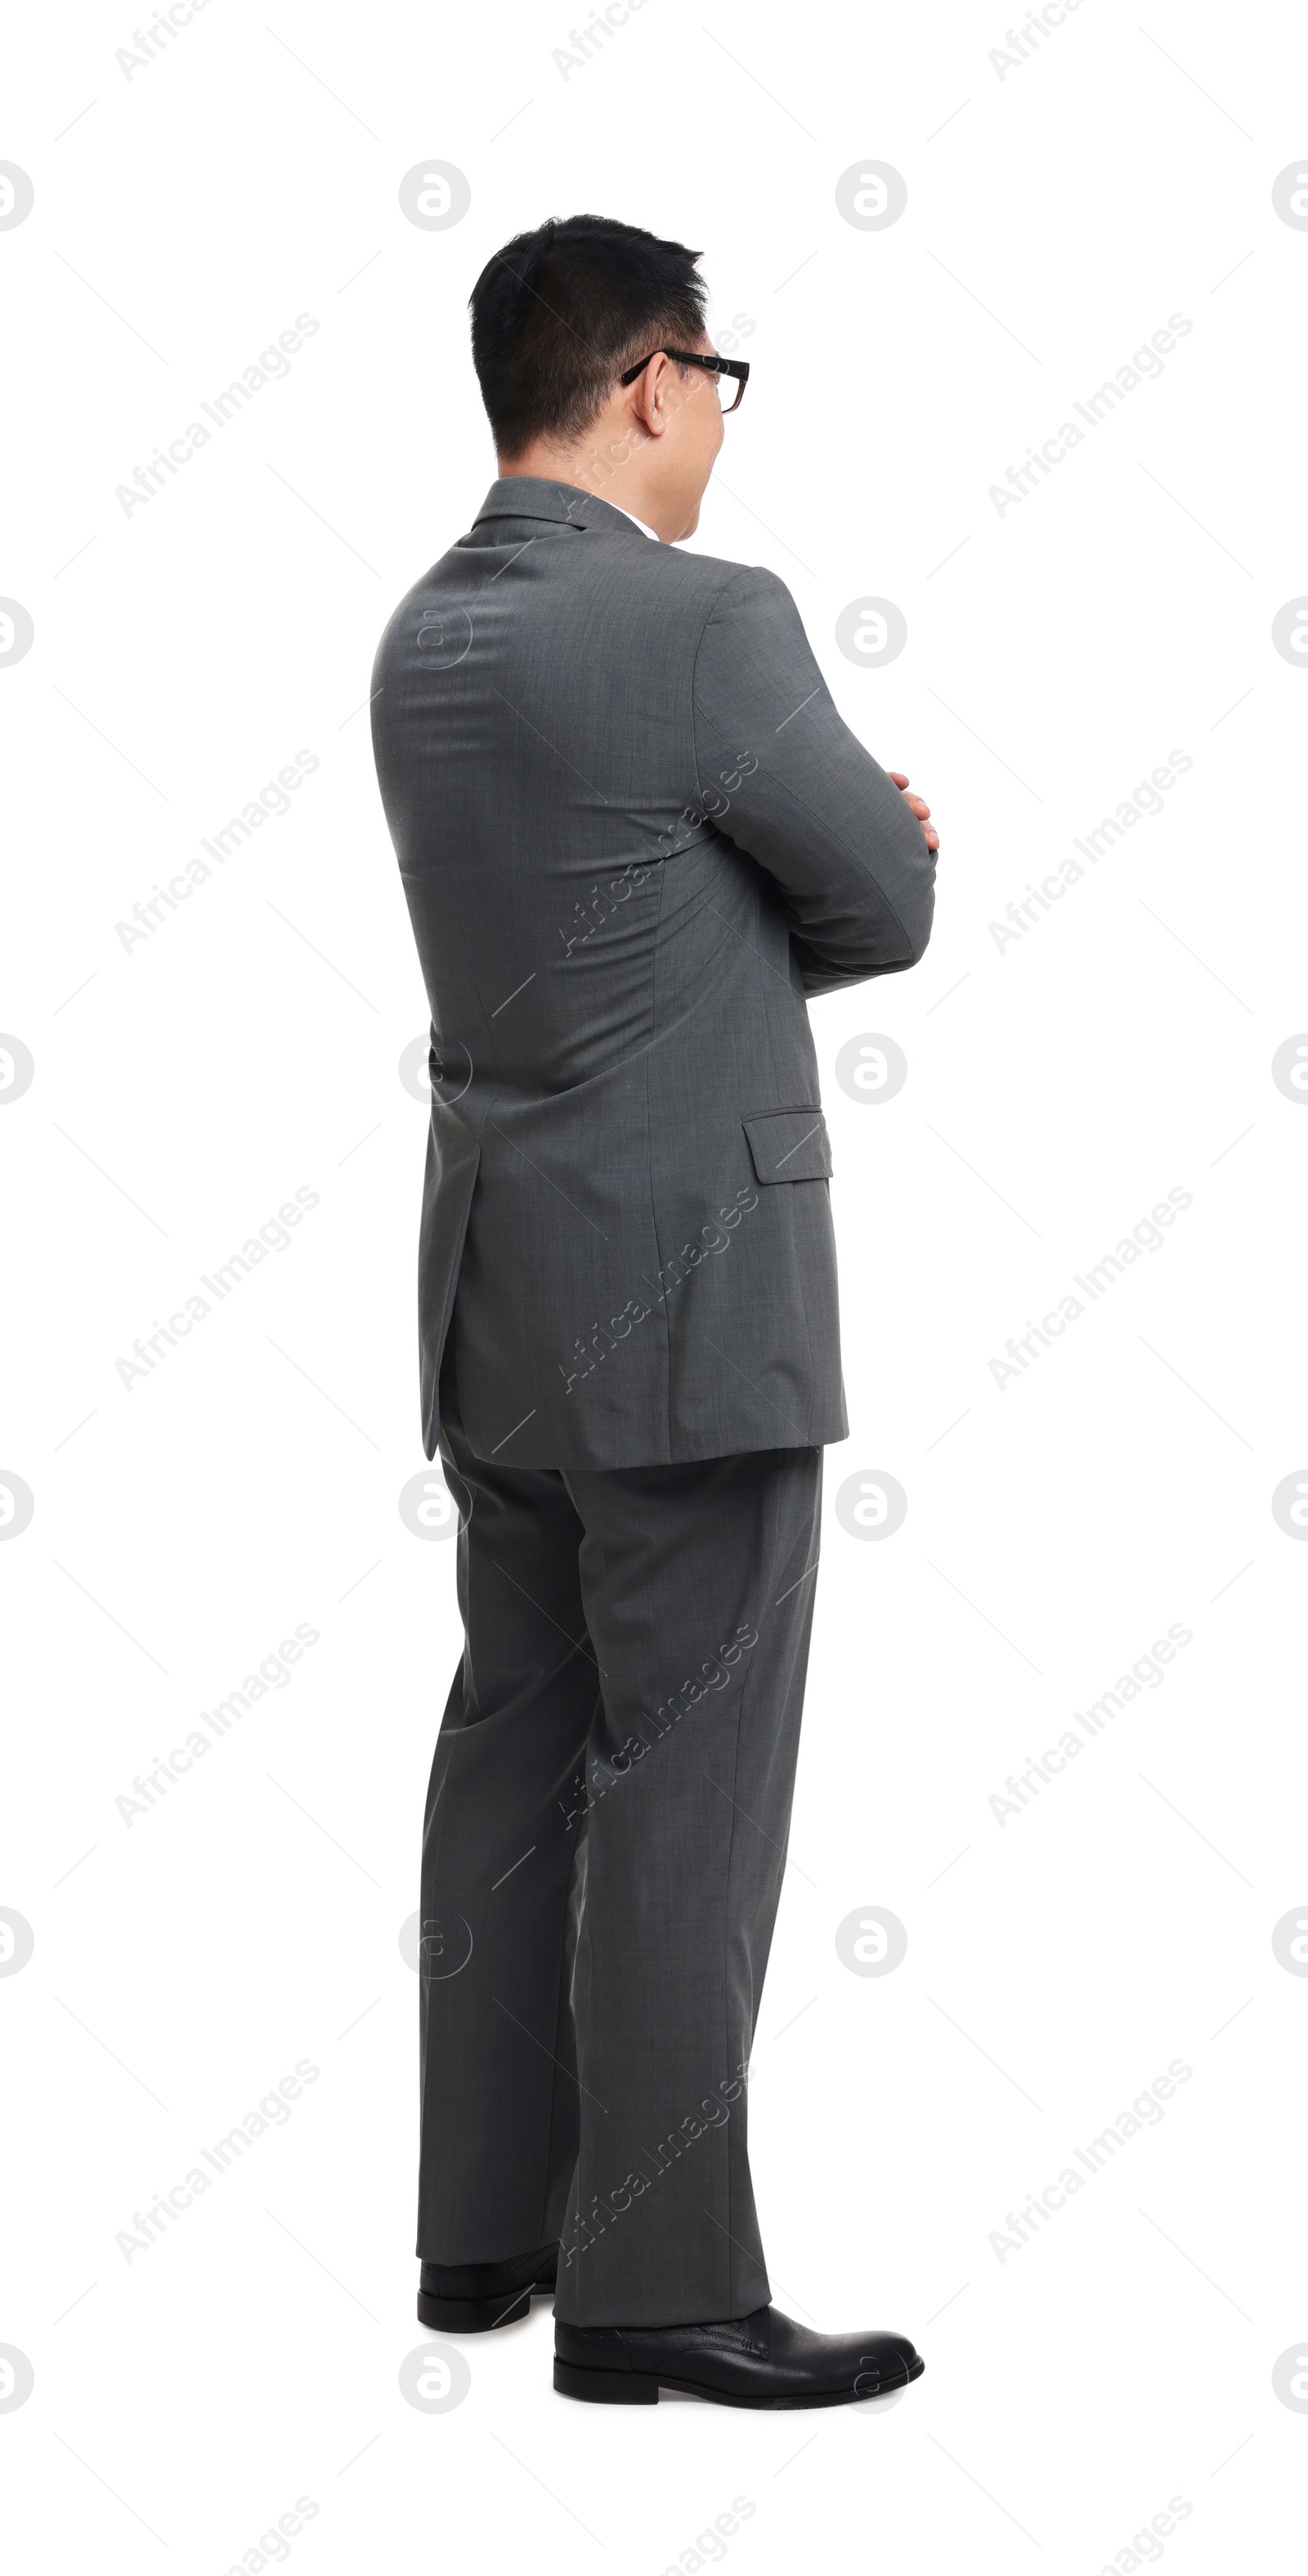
x=559, y=312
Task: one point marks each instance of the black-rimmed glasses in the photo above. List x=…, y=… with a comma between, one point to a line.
x=725, y=371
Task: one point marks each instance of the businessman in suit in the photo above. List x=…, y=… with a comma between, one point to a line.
x=635, y=838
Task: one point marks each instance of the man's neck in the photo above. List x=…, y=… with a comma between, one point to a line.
x=582, y=468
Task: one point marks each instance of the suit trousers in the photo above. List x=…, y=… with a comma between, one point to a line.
x=603, y=1851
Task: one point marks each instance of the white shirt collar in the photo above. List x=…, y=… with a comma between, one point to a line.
x=642, y=524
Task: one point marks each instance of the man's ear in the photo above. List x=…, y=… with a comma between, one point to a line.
x=651, y=392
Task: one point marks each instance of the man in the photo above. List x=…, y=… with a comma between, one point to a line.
x=634, y=836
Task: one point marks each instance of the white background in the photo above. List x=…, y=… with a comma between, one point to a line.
x=1058, y=1961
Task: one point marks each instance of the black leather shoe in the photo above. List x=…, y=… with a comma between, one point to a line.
x=761, y=2360
x=470, y=2298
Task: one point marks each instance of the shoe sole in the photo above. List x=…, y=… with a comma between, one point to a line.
x=639, y=2388
x=479, y=2316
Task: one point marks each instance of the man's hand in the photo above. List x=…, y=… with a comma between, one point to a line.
x=929, y=833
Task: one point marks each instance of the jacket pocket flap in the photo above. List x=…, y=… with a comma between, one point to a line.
x=790, y=1145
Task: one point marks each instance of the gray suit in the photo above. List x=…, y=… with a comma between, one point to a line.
x=634, y=836
x=627, y=1163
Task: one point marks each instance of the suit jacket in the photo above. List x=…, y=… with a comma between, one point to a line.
x=634, y=836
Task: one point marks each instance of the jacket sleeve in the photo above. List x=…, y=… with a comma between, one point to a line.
x=784, y=778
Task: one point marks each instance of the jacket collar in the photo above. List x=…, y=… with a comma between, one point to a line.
x=530, y=496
